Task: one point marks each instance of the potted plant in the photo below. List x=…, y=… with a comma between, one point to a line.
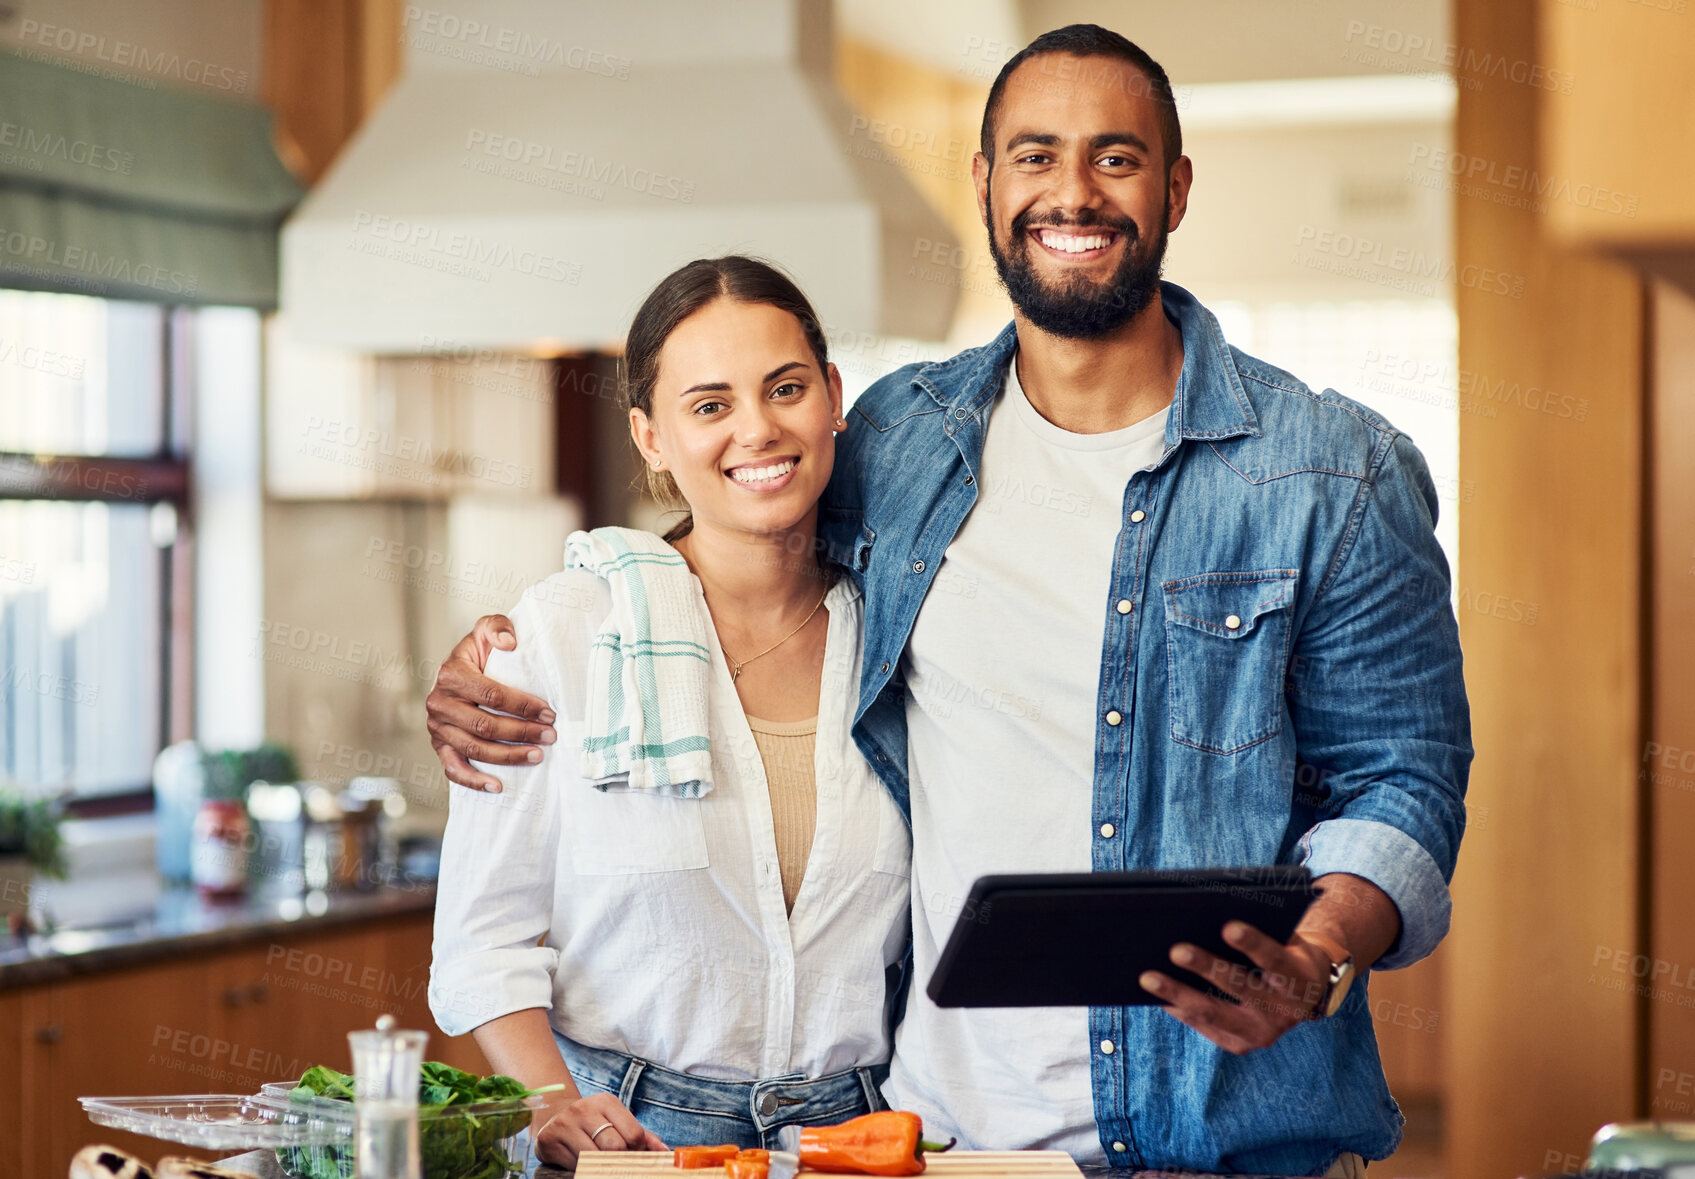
x=30, y=843
x=230, y=772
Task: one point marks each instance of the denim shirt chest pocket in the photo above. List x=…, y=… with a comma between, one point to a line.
x=1227, y=646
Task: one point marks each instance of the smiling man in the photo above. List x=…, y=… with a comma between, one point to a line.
x=1138, y=600
x=1187, y=630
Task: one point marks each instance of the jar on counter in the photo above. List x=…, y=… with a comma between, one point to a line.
x=218, y=853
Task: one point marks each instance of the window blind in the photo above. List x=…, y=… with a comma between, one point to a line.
x=120, y=190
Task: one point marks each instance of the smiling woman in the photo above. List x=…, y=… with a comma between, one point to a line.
x=697, y=316
x=721, y=810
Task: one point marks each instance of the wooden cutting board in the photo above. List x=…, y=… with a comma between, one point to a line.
x=955, y=1164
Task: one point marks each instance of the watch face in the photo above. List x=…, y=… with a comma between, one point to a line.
x=1341, y=978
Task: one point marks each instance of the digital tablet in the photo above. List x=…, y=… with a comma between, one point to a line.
x=1083, y=938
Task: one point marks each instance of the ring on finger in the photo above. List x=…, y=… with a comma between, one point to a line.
x=603, y=1127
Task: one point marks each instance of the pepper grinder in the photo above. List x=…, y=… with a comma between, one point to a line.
x=385, y=1101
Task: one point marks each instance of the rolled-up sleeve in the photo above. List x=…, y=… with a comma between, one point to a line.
x=499, y=861
x=1378, y=699
x=1395, y=862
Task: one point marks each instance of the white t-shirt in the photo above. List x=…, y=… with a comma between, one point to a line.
x=1003, y=669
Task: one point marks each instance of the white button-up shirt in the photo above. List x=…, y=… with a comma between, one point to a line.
x=655, y=926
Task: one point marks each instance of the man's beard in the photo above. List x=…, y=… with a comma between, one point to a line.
x=1079, y=309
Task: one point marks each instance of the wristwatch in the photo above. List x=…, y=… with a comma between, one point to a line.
x=1341, y=976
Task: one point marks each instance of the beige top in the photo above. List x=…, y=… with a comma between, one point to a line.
x=786, y=748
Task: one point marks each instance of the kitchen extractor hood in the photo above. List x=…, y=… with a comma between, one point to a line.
x=542, y=163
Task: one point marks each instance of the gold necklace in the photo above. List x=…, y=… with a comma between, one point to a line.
x=736, y=668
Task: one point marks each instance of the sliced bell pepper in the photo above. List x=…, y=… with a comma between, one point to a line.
x=698, y=1158
x=742, y=1167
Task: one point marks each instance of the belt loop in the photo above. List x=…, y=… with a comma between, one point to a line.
x=627, y=1090
x=873, y=1099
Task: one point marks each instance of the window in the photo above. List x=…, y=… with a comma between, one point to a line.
x=93, y=540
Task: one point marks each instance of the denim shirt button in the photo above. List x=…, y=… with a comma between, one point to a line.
x=918, y=566
x=1106, y=1047
x=959, y=415
x=1114, y=717
x=1234, y=622
x=1120, y=1147
x=1138, y=516
x=1108, y=830
x=1125, y=605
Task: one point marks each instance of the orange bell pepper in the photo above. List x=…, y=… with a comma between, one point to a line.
x=743, y=1167
x=887, y=1143
x=697, y=1158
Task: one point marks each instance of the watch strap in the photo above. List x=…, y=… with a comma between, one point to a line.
x=1339, y=958
x=1333, y=949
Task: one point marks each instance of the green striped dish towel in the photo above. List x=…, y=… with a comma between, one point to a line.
x=646, y=725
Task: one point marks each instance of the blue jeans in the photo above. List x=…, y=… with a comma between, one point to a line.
x=697, y=1111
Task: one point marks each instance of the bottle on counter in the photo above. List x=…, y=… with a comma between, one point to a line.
x=179, y=784
x=218, y=852
x=386, y=1064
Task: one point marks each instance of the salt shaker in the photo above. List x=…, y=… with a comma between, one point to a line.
x=385, y=1101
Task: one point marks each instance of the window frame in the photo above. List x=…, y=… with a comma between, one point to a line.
x=166, y=476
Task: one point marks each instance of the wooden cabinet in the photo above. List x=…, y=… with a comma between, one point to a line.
x=346, y=425
x=147, y=1030
x=1600, y=178
x=1541, y=1047
x=1667, y=768
x=12, y=1077
x=288, y=1004
x=221, y=1022
x=405, y=948
x=1406, y=1011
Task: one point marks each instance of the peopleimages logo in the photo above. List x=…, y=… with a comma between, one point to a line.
x=541, y=159
x=43, y=144
x=1476, y=391
x=405, y=456
x=41, y=360
x=96, y=269
x=19, y=678
x=1513, y=185
x=1399, y=51
x=1374, y=261
x=418, y=241
x=132, y=56
x=504, y=47
x=12, y=569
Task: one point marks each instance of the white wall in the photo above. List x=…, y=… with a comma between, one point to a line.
x=229, y=691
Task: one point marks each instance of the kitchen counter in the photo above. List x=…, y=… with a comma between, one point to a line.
x=183, y=923
x=263, y=1163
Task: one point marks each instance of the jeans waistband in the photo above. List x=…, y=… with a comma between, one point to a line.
x=768, y=1104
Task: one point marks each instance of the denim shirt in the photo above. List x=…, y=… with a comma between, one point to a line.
x=1289, y=681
